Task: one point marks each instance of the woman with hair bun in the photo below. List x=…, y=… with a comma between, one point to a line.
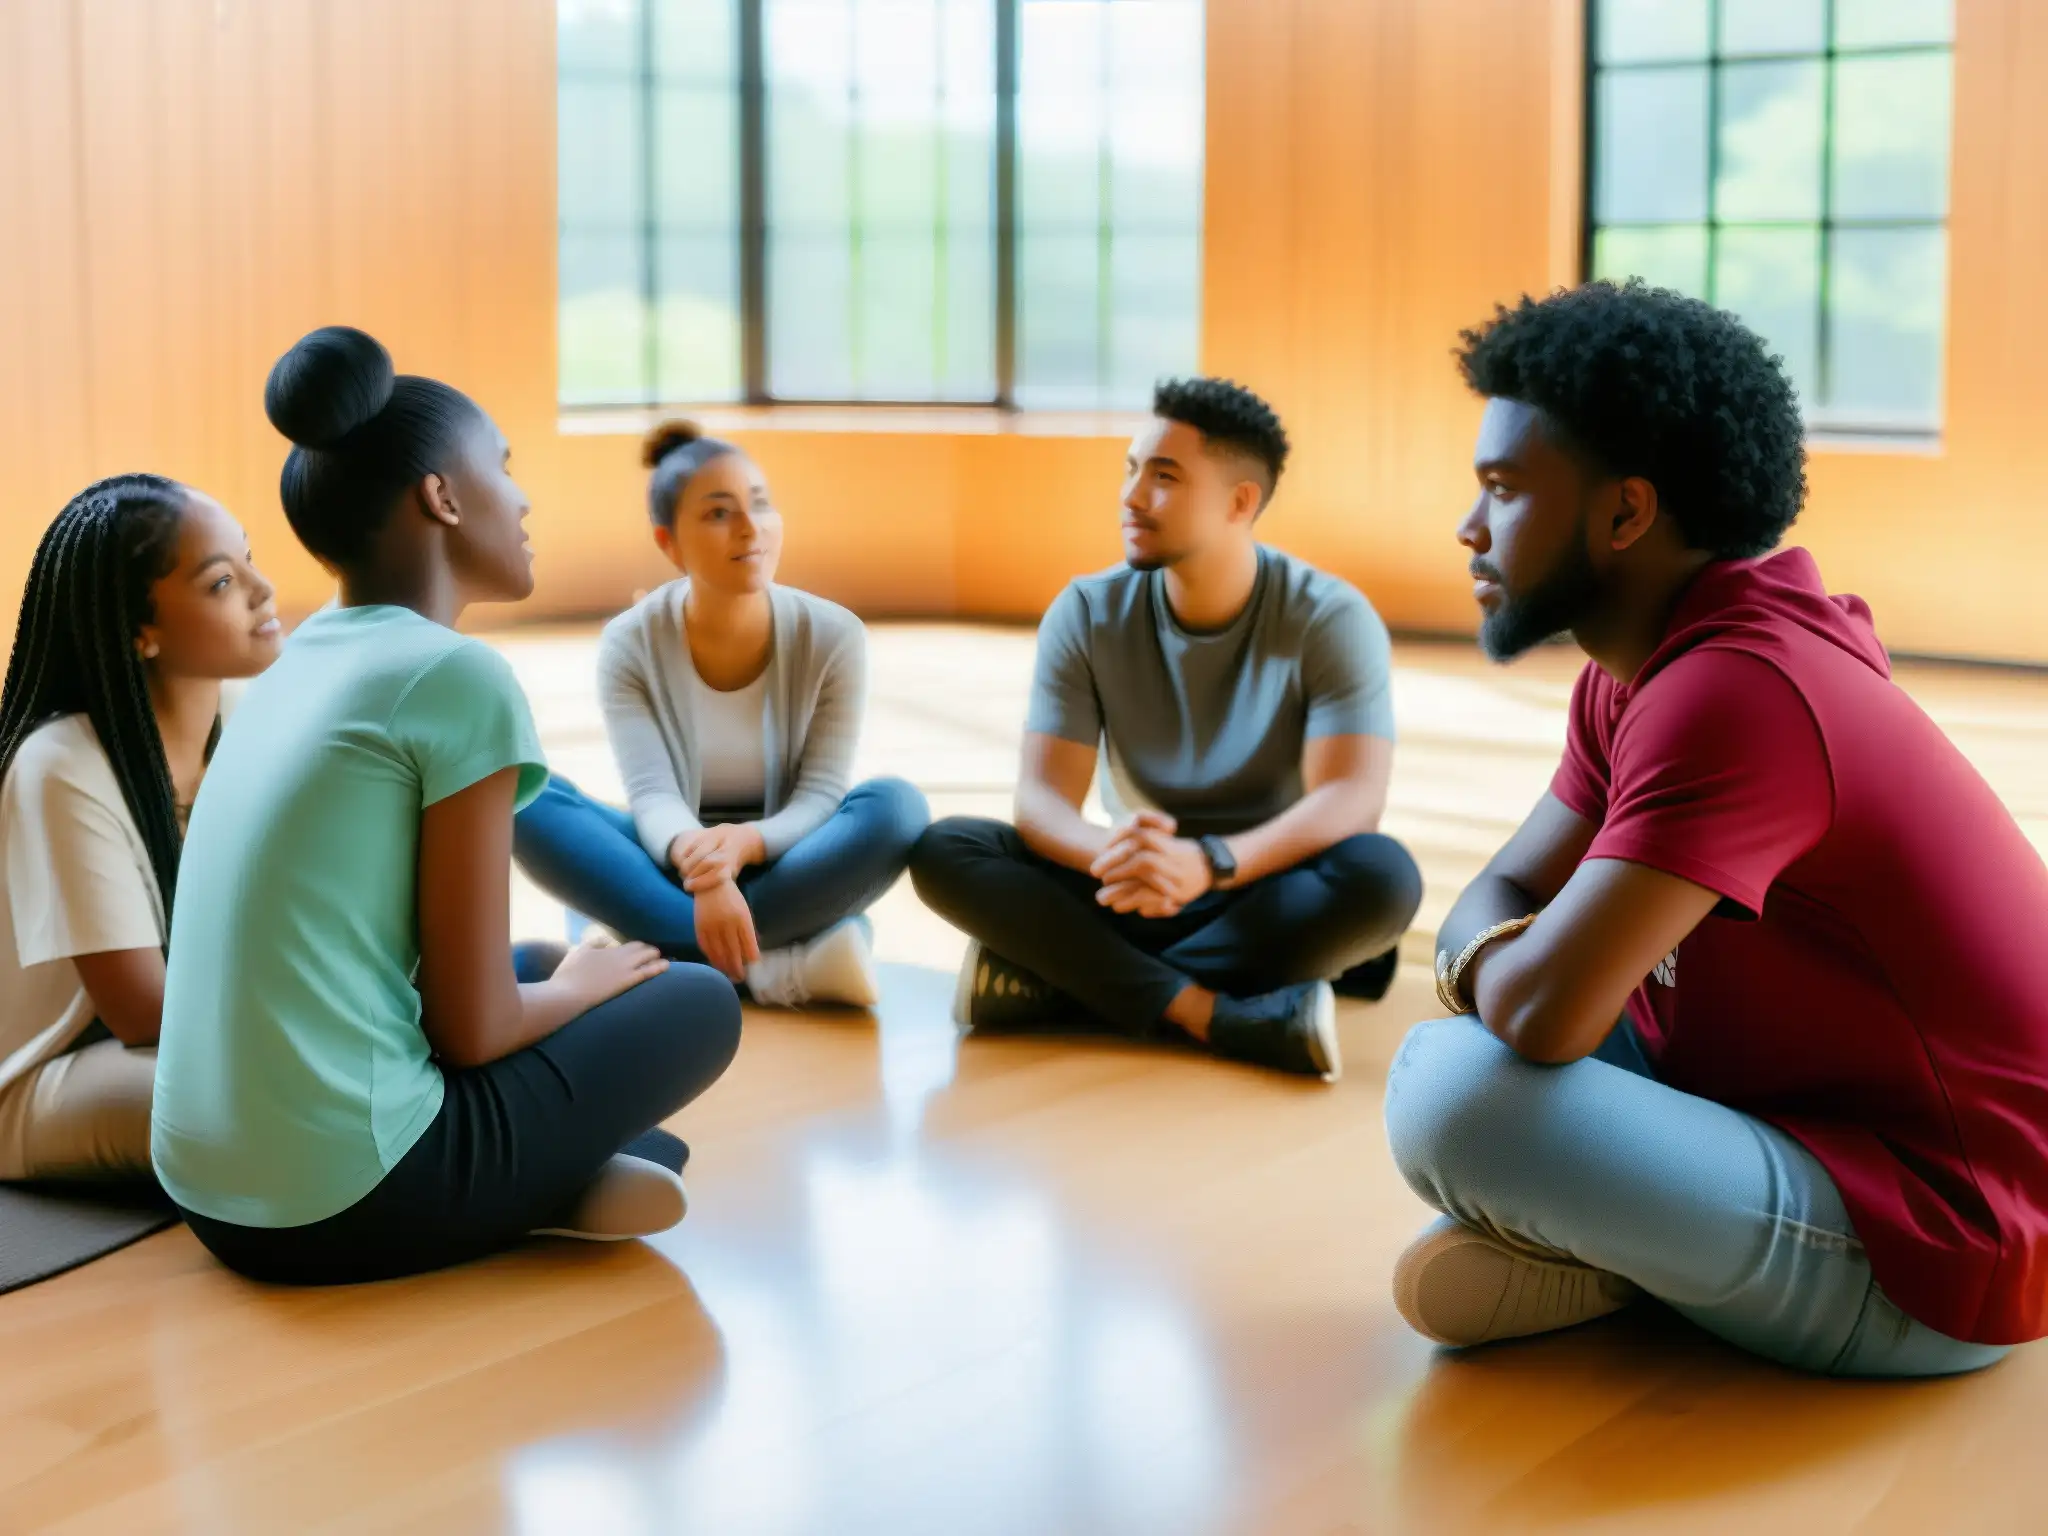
x=733, y=706
x=358, y=1078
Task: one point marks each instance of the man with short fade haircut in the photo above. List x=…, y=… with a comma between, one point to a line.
x=1819, y=1128
x=1239, y=701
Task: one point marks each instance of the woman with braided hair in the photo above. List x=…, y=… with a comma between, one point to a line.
x=142, y=600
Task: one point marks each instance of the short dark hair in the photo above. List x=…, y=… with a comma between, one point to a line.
x=1641, y=381
x=88, y=597
x=362, y=433
x=674, y=452
x=1229, y=416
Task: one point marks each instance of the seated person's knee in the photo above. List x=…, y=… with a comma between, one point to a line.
x=707, y=1009
x=1444, y=1101
x=901, y=811
x=946, y=846
x=1376, y=864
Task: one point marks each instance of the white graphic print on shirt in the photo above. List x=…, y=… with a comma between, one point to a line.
x=1666, y=973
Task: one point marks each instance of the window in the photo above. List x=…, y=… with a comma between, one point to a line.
x=1787, y=160
x=907, y=201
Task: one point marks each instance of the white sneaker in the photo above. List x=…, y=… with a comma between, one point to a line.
x=631, y=1197
x=838, y=966
x=1459, y=1286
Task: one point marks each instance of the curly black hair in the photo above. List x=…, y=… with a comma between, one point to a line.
x=1230, y=416
x=1642, y=381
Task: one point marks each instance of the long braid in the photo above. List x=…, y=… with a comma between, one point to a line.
x=74, y=647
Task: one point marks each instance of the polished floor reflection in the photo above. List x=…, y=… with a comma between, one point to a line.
x=939, y=1286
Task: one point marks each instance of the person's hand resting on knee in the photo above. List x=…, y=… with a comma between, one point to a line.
x=601, y=968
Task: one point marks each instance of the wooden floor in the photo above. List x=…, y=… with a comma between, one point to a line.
x=933, y=1286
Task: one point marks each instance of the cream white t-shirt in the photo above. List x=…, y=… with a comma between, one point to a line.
x=77, y=881
x=732, y=745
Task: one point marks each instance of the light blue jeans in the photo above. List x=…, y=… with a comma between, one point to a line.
x=1724, y=1218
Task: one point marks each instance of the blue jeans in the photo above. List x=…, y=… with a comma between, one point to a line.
x=587, y=855
x=1724, y=1218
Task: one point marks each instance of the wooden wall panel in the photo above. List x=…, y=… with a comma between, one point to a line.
x=190, y=184
x=1378, y=176
x=45, y=381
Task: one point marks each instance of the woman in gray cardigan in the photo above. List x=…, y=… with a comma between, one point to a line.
x=733, y=706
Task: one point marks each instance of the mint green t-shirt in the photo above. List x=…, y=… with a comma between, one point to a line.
x=293, y=1072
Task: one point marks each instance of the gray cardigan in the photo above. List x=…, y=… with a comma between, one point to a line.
x=810, y=720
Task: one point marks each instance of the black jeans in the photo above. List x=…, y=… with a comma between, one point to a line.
x=517, y=1141
x=1313, y=922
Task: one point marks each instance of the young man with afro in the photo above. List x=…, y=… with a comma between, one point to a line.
x=1239, y=700
x=1751, y=1014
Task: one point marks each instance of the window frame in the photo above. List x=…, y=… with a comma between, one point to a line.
x=754, y=312
x=1821, y=420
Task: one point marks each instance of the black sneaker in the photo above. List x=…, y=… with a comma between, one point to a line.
x=1292, y=1030
x=1370, y=979
x=994, y=995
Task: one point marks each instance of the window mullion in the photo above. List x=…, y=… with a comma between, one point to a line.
x=650, y=214
x=753, y=254
x=1713, y=293
x=1823, y=360
x=1007, y=24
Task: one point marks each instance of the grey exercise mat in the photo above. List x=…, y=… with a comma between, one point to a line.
x=45, y=1229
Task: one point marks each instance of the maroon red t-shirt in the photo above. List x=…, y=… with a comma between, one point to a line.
x=1875, y=979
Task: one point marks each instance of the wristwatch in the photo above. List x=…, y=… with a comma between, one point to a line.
x=1222, y=862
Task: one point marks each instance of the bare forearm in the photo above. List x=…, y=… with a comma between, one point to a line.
x=1056, y=830
x=1318, y=820
x=1489, y=900
x=136, y=1032
x=532, y=1012
x=1506, y=983
x=126, y=990
x=1553, y=992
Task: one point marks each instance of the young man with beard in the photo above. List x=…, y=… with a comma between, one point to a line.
x=1820, y=1128
x=1241, y=700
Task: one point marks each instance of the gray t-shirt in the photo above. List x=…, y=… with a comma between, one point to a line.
x=1209, y=727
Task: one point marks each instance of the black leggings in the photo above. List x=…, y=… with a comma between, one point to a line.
x=517, y=1141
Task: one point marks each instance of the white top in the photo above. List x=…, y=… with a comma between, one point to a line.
x=732, y=751
x=809, y=722
x=78, y=882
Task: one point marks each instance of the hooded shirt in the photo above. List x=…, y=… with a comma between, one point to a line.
x=1874, y=980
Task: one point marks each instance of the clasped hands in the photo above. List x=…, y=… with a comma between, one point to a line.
x=708, y=862
x=1146, y=869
